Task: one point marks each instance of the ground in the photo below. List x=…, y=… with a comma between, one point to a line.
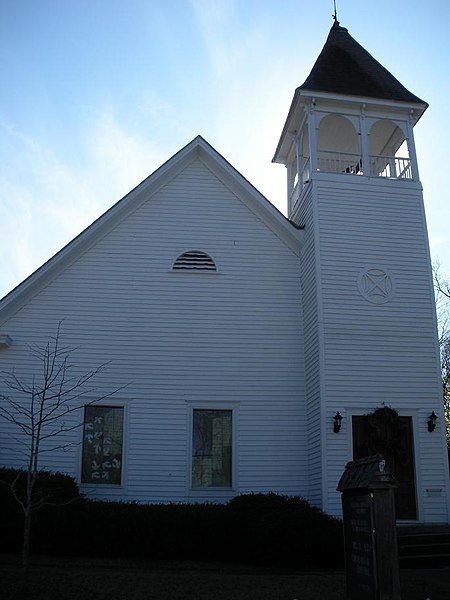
x=96, y=579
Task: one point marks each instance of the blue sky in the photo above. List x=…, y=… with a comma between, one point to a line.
x=96, y=94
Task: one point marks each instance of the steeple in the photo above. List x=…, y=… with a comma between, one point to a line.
x=350, y=117
x=367, y=300
x=345, y=67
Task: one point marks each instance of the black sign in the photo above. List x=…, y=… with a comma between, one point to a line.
x=371, y=560
x=359, y=546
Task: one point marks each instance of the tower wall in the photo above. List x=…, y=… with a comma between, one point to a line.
x=306, y=216
x=377, y=349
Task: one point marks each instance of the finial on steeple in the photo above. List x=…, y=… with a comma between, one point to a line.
x=336, y=22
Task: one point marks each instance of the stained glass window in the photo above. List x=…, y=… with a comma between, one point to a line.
x=102, y=445
x=211, y=448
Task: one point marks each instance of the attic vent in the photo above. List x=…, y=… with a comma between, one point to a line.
x=194, y=261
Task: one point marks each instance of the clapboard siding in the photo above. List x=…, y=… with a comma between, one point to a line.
x=305, y=216
x=379, y=353
x=178, y=338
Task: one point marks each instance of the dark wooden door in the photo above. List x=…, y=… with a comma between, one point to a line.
x=401, y=464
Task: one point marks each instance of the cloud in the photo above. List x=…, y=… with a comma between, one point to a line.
x=247, y=92
x=47, y=201
x=438, y=241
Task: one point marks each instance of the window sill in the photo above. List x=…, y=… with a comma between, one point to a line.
x=101, y=486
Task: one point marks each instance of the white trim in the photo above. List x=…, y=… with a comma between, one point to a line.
x=342, y=103
x=402, y=124
x=440, y=410
x=351, y=117
x=96, y=489
x=368, y=100
x=410, y=142
x=364, y=180
x=233, y=406
x=313, y=129
x=364, y=142
x=321, y=342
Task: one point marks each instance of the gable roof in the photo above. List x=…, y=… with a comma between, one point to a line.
x=345, y=67
x=198, y=148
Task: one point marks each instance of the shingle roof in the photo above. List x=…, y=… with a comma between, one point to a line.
x=345, y=67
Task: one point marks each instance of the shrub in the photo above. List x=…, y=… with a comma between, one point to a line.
x=266, y=529
x=284, y=530
x=53, y=488
x=58, y=488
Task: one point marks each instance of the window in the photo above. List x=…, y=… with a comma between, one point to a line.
x=102, y=445
x=194, y=260
x=211, y=448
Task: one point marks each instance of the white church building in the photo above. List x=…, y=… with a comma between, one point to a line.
x=248, y=346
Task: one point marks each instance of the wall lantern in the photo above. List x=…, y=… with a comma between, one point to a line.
x=337, y=422
x=5, y=341
x=432, y=421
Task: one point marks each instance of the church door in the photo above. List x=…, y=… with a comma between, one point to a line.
x=401, y=464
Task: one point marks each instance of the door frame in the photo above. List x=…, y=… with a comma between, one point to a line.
x=414, y=414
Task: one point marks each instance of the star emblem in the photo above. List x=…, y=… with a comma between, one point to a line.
x=375, y=285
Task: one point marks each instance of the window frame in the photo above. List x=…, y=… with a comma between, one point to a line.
x=213, y=491
x=105, y=486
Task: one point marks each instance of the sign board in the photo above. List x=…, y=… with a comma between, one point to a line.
x=359, y=546
x=371, y=560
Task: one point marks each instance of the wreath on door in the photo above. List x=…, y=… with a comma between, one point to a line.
x=383, y=433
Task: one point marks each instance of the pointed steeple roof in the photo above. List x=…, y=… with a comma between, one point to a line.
x=345, y=67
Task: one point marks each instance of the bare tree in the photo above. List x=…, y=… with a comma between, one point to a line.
x=442, y=295
x=441, y=284
x=41, y=408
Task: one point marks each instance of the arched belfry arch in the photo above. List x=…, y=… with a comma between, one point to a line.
x=386, y=137
x=388, y=146
x=338, y=144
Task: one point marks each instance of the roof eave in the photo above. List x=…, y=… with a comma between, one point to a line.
x=278, y=156
x=368, y=100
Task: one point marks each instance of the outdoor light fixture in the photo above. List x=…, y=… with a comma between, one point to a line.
x=5, y=341
x=337, y=421
x=432, y=421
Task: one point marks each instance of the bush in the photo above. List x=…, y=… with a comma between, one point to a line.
x=58, y=488
x=265, y=529
x=53, y=488
x=284, y=530
x=131, y=530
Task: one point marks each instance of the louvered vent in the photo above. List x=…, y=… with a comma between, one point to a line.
x=194, y=261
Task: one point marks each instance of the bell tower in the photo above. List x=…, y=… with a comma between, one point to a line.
x=370, y=325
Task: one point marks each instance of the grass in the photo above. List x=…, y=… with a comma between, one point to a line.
x=97, y=579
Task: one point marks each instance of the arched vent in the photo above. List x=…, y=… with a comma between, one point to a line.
x=194, y=261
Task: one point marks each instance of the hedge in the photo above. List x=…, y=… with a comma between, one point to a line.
x=263, y=529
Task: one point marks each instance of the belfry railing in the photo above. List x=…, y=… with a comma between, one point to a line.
x=387, y=167
x=339, y=162
x=390, y=167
